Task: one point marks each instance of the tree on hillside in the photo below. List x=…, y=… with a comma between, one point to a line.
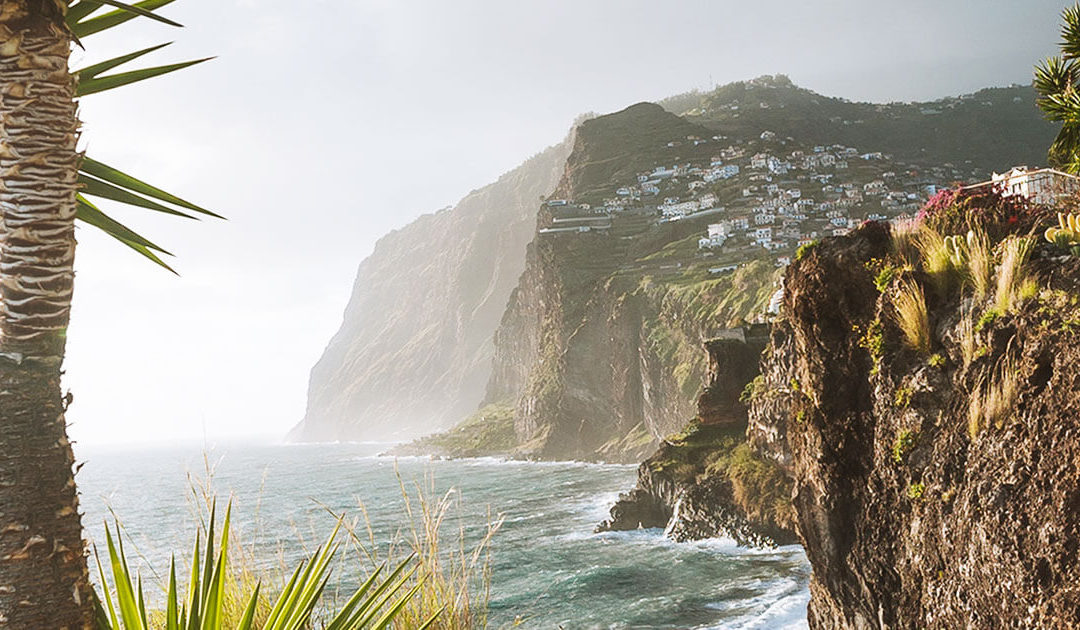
x=45, y=185
x=1056, y=81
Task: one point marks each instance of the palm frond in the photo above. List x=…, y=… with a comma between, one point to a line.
x=109, y=82
x=90, y=214
x=89, y=72
x=1054, y=76
x=116, y=177
x=83, y=23
x=1070, y=32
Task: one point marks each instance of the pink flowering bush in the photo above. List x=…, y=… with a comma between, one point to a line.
x=957, y=210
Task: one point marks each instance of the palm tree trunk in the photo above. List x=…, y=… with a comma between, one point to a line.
x=43, y=575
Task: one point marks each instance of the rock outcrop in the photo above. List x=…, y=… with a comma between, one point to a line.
x=939, y=487
x=706, y=482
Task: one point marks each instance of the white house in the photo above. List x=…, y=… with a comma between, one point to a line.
x=720, y=230
x=1043, y=186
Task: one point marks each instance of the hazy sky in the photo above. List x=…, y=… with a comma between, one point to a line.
x=324, y=124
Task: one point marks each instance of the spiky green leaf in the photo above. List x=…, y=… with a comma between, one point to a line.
x=89, y=72
x=112, y=81
x=93, y=187
x=118, y=178
x=123, y=13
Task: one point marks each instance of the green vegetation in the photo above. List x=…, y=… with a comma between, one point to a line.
x=688, y=453
x=211, y=598
x=488, y=432
x=759, y=486
x=884, y=278
x=702, y=451
x=1055, y=81
x=987, y=319
x=936, y=360
x=902, y=396
x=753, y=389
x=411, y=581
x=916, y=490
x=1067, y=235
x=805, y=249
x=873, y=341
x=901, y=127
x=905, y=441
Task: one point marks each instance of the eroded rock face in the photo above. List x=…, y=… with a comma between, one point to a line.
x=704, y=483
x=912, y=514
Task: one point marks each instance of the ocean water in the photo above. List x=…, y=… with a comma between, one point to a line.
x=548, y=569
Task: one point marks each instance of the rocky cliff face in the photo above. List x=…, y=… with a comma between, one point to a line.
x=598, y=350
x=413, y=354
x=935, y=484
x=706, y=482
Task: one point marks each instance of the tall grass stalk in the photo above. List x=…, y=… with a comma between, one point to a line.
x=937, y=261
x=980, y=263
x=1013, y=282
x=965, y=333
x=456, y=574
x=1002, y=392
x=912, y=316
x=904, y=244
x=423, y=577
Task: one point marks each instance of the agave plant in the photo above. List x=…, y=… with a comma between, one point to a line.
x=1067, y=234
x=374, y=605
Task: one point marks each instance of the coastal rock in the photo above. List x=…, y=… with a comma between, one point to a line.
x=706, y=482
x=916, y=506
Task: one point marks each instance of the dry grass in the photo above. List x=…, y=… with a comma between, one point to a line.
x=1013, y=281
x=990, y=405
x=454, y=576
x=912, y=316
x=980, y=263
x=904, y=244
x=936, y=259
x=965, y=333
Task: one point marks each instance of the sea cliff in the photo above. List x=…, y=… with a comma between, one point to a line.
x=935, y=477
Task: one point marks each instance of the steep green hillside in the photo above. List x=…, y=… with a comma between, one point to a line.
x=598, y=322
x=991, y=129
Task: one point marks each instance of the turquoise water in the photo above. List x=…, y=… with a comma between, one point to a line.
x=549, y=569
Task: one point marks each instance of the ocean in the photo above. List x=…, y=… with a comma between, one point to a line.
x=548, y=570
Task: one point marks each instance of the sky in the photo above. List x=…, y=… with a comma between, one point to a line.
x=322, y=125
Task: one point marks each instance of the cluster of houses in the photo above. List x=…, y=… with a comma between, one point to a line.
x=768, y=198
x=776, y=200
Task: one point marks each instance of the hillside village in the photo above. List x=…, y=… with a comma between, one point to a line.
x=764, y=197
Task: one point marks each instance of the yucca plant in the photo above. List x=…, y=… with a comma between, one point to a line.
x=374, y=605
x=47, y=185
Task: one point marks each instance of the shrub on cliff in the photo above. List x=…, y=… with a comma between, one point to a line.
x=957, y=210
